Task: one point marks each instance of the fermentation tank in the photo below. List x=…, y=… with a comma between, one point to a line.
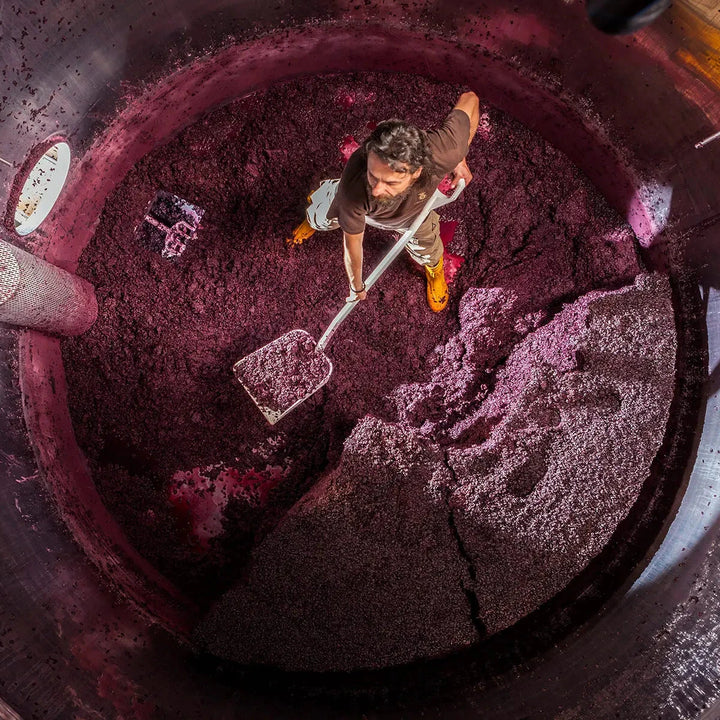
x=89, y=628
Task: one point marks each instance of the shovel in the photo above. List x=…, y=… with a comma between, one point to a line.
x=287, y=371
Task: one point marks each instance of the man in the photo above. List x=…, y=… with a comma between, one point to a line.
x=386, y=183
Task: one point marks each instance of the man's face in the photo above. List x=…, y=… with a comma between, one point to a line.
x=385, y=183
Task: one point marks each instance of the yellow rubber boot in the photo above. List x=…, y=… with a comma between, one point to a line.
x=302, y=232
x=437, y=289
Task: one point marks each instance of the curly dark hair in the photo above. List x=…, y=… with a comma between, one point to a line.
x=401, y=145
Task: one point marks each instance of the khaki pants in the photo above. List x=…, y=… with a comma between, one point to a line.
x=425, y=247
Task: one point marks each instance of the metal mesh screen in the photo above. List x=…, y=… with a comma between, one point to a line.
x=39, y=295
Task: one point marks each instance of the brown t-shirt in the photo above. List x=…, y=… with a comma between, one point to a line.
x=353, y=201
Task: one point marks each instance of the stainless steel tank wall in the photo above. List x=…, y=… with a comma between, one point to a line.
x=119, y=79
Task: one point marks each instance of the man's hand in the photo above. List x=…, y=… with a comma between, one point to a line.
x=357, y=296
x=461, y=171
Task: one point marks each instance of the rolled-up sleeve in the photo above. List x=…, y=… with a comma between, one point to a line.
x=449, y=143
x=349, y=204
x=350, y=217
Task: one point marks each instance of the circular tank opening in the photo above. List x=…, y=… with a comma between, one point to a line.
x=459, y=473
x=166, y=289
x=41, y=187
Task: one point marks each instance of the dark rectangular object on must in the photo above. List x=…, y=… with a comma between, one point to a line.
x=168, y=225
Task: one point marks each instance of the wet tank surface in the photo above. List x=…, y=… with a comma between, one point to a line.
x=633, y=637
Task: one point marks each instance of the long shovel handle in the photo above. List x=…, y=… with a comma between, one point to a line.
x=437, y=199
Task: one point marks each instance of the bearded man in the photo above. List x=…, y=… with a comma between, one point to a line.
x=386, y=183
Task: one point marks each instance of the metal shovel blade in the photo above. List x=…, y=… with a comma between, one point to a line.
x=284, y=373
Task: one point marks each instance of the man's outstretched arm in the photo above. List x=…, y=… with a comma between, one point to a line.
x=354, y=261
x=469, y=103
